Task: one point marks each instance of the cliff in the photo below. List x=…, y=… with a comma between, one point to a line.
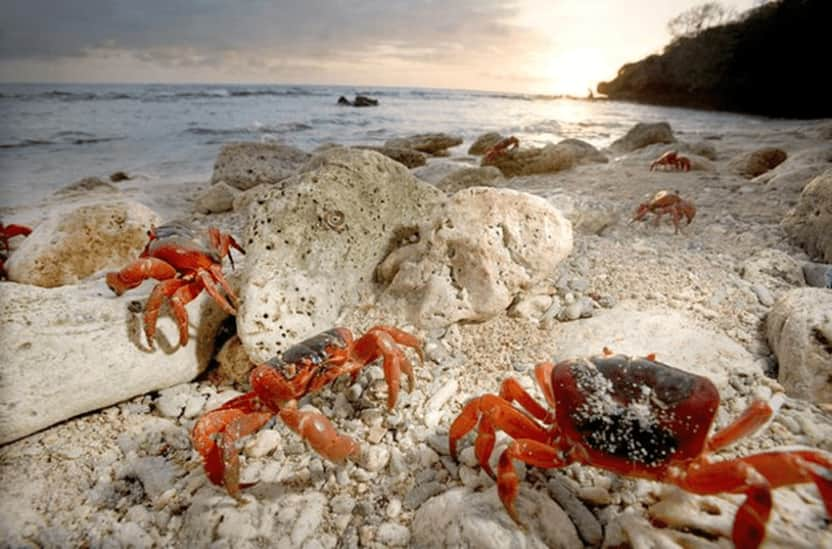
x=770, y=62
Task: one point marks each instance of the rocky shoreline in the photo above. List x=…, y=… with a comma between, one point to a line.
x=497, y=267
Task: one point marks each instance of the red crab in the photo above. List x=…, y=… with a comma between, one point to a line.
x=7, y=232
x=185, y=263
x=664, y=202
x=500, y=148
x=277, y=386
x=672, y=160
x=639, y=418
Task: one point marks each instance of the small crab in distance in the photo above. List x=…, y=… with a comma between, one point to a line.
x=500, y=148
x=640, y=418
x=185, y=262
x=672, y=160
x=7, y=232
x=277, y=386
x=666, y=202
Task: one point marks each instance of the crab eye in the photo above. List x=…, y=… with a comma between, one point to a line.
x=334, y=219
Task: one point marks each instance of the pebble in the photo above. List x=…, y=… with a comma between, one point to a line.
x=392, y=534
x=342, y=504
x=818, y=275
x=763, y=295
x=440, y=397
x=588, y=526
x=421, y=492
x=374, y=457
x=263, y=443
x=394, y=508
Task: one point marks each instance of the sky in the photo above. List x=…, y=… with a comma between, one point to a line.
x=526, y=46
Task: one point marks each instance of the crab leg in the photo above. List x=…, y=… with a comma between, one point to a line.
x=214, y=434
x=319, y=432
x=511, y=391
x=381, y=340
x=164, y=289
x=207, y=278
x=753, y=418
x=137, y=272
x=529, y=451
x=488, y=413
x=736, y=476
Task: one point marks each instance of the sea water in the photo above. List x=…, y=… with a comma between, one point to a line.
x=52, y=135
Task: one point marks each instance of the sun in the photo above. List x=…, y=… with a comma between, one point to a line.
x=575, y=72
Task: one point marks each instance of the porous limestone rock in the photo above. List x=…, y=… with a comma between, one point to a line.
x=810, y=222
x=480, y=251
x=641, y=135
x=461, y=517
x=484, y=142
x=674, y=337
x=799, y=330
x=312, y=246
x=409, y=157
x=69, y=350
x=798, y=169
x=754, y=163
x=548, y=159
x=73, y=244
x=244, y=165
x=431, y=143
x=486, y=176
x=216, y=199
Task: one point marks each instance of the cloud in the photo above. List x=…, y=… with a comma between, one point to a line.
x=205, y=32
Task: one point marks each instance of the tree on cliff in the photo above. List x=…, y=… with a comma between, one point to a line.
x=767, y=61
x=698, y=18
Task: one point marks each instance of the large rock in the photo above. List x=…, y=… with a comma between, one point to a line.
x=799, y=329
x=674, y=337
x=69, y=350
x=245, y=165
x=409, y=157
x=549, y=159
x=758, y=162
x=313, y=245
x=641, y=135
x=480, y=251
x=484, y=142
x=216, y=199
x=71, y=245
x=798, y=169
x=810, y=222
x=486, y=176
x=461, y=517
x=431, y=143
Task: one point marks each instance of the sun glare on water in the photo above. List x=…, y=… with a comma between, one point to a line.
x=575, y=72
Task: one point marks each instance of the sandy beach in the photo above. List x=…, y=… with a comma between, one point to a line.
x=127, y=474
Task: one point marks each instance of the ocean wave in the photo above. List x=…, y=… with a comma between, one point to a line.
x=61, y=138
x=257, y=128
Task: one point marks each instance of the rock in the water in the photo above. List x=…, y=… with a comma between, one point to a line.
x=69, y=350
x=810, y=222
x=484, y=142
x=549, y=159
x=487, y=176
x=216, y=199
x=482, y=249
x=799, y=329
x=245, y=165
x=641, y=135
x=463, y=518
x=757, y=162
x=86, y=187
x=313, y=245
x=431, y=143
x=72, y=245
